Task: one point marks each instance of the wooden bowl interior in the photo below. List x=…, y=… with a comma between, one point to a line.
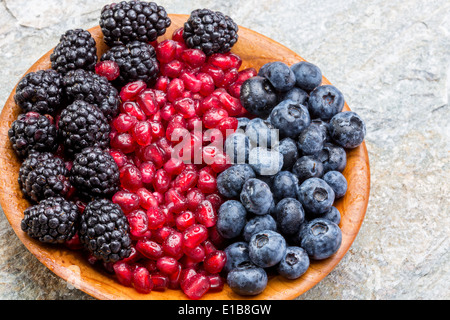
x=255, y=50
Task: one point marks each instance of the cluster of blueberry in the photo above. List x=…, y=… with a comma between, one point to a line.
x=287, y=173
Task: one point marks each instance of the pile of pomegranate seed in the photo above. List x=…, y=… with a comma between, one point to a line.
x=168, y=144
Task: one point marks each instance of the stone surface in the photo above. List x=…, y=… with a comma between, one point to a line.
x=391, y=61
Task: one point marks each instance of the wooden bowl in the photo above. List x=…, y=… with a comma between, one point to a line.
x=255, y=50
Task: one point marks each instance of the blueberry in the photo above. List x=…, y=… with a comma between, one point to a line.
x=307, y=167
x=323, y=126
x=258, y=96
x=333, y=157
x=347, y=129
x=288, y=149
x=320, y=238
x=242, y=123
x=296, y=94
x=333, y=215
x=294, y=263
x=265, y=162
x=289, y=216
x=261, y=133
x=310, y=141
x=247, y=279
x=307, y=75
x=316, y=195
x=256, y=196
x=325, y=102
x=263, y=70
x=258, y=224
x=290, y=118
x=237, y=147
x=231, y=219
x=266, y=248
x=284, y=185
x=230, y=181
x=337, y=182
x=237, y=253
x=280, y=76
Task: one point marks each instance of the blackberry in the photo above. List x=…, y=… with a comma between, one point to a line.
x=40, y=91
x=127, y=21
x=209, y=31
x=83, y=125
x=42, y=175
x=53, y=220
x=76, y=50
x=33, y=131
x=136, y=60
x=90, y=87
x=104, y=231
x=94, y=173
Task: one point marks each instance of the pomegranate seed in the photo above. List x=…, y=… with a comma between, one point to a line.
x=230, y=104
x=162, y=83
x=212, y=117
x=216, y=73
x=209, y=247
x=142, y=280
x=168, y=111
x=194, y=122
x=175, y=89
x=215, y=261
x=191, y=82
x=221, y=163
x=196, y=286
x=149, y=249
x=126, y=200
x=161, y=181
x=228, y=126
x=229, y=77
x=207, y=181
x=225, y=61
x=156, y=218
x=234, y=90
x=194, y=235
x=119, y=157
x=205, y=214
x=124, y=142
x=108, y=69
x=178, y=35
x=124, y=273
x=166, y=147
x=184, y=220
x=194, y=57
x=215, y=237
x=207, y=84
x=173, y=245
x=157, y=129
x=172, y=69
x=167, y=265
x=131, y=108
x=186, y=180
x=197, y=254
x=131, y=90
x=216, y=283
x=159, y=235
x=150, y=265
x=175, y=201
x=165, y=51
x=186, y=274
x=154, y=154
x=160, y=281
x=142, y=133
x=193, y=198
x=124, y=122
x=185, y=106
x=174, y=166
x=246, y=74
x=146, y=199
x=130, y=178
x=74, y=243
x=148, y=171
x=138, y=221
x=174, y=279
x=146, y=101
x=215, y=199
x=134, y=255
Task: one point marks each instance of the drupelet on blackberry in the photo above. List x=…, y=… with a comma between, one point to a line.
x=94, y=173
x=53, y=220
x=90, y=87
x=40, y=91
x=76, y=50
x=83, y=125
x=127, y=21
x=33, y=132
x=104, y=231
x=43, y=175
x=136, y=60
x=212, y=32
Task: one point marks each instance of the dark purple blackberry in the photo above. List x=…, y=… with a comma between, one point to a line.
x=83, y=125
x=53, y=220
x=42, y=175
x=90, y=87
x=127, y=21
x=104, y=231
x=76, y=50
x=40, y=91
x=94, y=173
x=136, y=60
x=33, y=132
x=209, y=31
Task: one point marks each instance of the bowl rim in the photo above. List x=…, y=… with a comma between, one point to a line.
x=93, y=282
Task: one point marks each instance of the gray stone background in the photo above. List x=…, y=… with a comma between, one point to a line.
x=390, y=58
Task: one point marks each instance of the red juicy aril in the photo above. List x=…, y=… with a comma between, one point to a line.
x=171, y=204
